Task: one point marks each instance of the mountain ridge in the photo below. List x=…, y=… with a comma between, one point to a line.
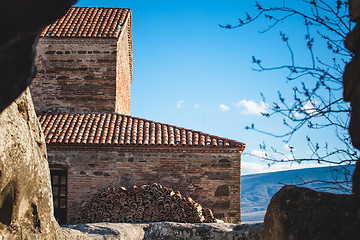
x=257, y=189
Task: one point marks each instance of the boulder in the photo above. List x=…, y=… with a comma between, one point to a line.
x=26, y=206
x=26, y=210
x=170, y=230
x=302, y=213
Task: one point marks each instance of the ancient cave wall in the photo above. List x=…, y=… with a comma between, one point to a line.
x=26, y=207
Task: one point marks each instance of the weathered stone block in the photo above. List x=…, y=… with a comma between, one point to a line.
x=169, y=230
x=26, y=207
x=302, y=213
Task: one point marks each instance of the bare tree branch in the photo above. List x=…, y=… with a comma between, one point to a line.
x=320, y=106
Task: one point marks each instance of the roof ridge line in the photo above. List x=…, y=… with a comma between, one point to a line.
x=88, y=22
x=97, y=7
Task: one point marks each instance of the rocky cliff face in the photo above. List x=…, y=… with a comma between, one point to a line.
x=25, y=193
x=26, y=207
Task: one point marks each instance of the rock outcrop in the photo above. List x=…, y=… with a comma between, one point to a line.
x=21, y=23
x=26, y=208
x=170, y=230
x=302, y=213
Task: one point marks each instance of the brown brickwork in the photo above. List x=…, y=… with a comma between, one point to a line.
x=84, y=63
x=210, y=176
x=124, y=70
x=84, y=74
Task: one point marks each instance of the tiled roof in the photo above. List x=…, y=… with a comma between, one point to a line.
x=88, y=22
x=117, y=129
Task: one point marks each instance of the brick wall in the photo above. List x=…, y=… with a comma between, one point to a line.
x=75, y=75
x=210, y=177
x=124, y=69
x=81, y=75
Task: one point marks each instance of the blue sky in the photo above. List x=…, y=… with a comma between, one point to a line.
x=191, y=73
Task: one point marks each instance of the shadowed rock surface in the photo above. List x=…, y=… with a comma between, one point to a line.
x=21, y=23
x=26, y=207
x=351, y=80
x=26, y=210
x=302, y=213
x=170, y=231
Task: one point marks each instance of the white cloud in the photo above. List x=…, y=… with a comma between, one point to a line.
x=296, y=114
x=180, y=103
x=259, y=153
x=224, y=107
x=196, y=105
x=254, y=168
x=288, y=147
x=309, y=107
x=251, y=107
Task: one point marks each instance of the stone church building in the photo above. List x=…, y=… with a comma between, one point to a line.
x=82, y=96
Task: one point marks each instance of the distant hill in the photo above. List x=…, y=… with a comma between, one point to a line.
x=257, y=189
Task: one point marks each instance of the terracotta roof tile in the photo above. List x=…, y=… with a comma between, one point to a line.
x=117, y=129
x=88, y=22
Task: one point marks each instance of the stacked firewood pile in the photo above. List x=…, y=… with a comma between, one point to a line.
x=153, y=203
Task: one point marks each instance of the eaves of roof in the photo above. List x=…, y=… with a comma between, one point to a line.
x=113, y=129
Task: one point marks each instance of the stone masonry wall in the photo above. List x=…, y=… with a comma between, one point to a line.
x=210, y=178
x=76, y=75
x=124, y=70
